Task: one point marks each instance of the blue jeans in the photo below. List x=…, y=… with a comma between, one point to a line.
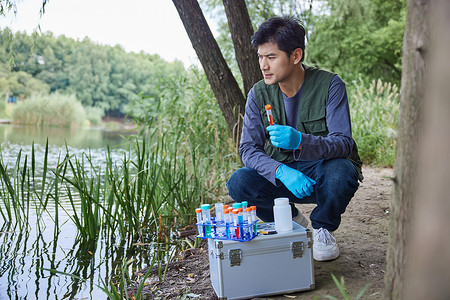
x=336, y=183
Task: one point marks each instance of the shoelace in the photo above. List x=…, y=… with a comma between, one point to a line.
x=323, y=236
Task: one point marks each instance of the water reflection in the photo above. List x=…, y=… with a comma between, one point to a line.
x=25, y=258
x=26, y=253
x=74, y=137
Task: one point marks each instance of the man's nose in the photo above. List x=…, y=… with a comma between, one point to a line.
x=263, y=63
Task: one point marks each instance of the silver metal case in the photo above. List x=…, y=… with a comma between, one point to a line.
x=267, y=265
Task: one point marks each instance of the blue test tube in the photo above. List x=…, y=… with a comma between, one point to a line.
x=206, y=218
x=254, y=219
x=241, y=223
x=198, y=212
x=226, y=219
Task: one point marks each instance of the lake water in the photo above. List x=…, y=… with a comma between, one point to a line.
x=27, y=253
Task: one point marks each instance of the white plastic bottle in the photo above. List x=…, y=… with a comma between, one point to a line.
x=282, y=214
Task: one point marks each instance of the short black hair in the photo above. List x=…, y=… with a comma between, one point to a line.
x=285, y=31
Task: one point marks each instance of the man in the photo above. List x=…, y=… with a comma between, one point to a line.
x=308, y=155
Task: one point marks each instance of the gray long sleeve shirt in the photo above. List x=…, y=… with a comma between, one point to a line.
x=338, y=143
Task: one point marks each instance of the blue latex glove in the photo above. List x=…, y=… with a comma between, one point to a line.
x=284, y=137
x=298, y=183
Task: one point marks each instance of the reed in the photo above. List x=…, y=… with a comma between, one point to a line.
x=53, y=109
x=374, y=120
x=180, y=159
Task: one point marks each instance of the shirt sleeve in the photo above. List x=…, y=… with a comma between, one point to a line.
x=339, y=142
x=251, y=148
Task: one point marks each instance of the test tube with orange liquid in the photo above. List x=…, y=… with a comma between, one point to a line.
x=269, y=113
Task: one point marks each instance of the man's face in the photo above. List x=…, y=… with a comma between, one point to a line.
x=275, y=65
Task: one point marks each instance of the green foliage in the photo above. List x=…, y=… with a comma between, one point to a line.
x=259, y=11
x=186, y=110
x=20, y=84
x=374, y=112
x=359, y=39
x=340, y=284
x=100, y=76
x=54, y=109
x=94, y=115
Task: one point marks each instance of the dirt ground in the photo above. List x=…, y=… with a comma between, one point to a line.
x=362, y=238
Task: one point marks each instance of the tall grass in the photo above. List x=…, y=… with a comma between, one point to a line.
x=180, y=159
x=374, y=113
x=53, y=109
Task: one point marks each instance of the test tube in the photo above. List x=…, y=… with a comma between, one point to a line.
x=241, y=222
x=198, y=211
x=250, y=220
x=219, y=219
x=206, y=217
x=236, y=223
x=237, y=205
x=269, y=113
x=226, y=219
x=255, y=227
x=219, y=211
x=244, y=207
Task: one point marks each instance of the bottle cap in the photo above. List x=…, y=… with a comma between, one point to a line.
x=268, y=106
x=226, y=211
x=240, y=209
x=225, y=206
x=248, y=209
x=253, y=207
x=235, y=211
x=237, y=205
x=244, y=203
x=281, y=201
x=206, y=206
x=198, y=210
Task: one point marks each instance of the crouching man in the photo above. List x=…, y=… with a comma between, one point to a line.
x=308, y=155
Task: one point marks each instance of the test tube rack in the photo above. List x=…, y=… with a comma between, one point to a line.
x=242, y=233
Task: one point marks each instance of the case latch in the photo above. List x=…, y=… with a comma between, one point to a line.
x=297, y=249
x=235, y=257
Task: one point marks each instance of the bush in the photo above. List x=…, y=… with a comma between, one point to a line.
x=374, y=121
x=94, y=115
x=54, y=109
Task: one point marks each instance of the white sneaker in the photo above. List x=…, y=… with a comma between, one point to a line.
x=324, y=246
x=301, y=219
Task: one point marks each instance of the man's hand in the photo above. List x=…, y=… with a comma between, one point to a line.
x=284, y=137
x=298, y=183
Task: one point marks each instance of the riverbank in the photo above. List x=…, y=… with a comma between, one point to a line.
x=362, y=238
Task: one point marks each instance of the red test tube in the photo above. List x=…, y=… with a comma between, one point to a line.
x=269, y=113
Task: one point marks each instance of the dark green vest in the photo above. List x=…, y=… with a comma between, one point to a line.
x=311, y=116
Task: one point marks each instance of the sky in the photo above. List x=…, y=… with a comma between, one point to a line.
x=152, y=26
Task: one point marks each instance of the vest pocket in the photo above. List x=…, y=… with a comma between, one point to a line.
x=316, y=127
x=315, y=122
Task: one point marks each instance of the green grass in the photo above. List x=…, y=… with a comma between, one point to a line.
x=374, y=112
x=54, y=109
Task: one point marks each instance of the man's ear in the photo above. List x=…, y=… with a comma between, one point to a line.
x=297, y=55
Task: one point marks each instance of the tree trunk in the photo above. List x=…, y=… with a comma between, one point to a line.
x=241, y=32
x=429, y=272
x=222, y=81
x=415, y=46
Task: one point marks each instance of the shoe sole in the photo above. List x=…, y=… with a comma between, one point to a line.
x=319, y=257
